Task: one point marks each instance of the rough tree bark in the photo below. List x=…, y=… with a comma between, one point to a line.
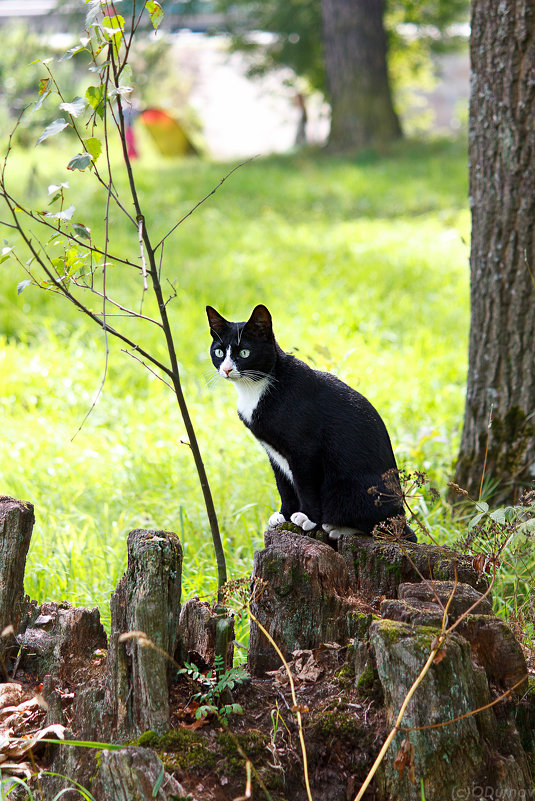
x=356, y=62
x=499, y=425
x=147, y=599
x=16, y=525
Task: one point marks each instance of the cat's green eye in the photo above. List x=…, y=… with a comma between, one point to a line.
x=219, y=353
x=244, y=353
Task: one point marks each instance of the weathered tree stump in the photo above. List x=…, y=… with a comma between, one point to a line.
x=198, y=633
x=147, y=600
x=131, y=774
x=16, y=525
x=380, y=566
x=494, y=645
x=305, y=600
x=60, y=638
x=472, y=751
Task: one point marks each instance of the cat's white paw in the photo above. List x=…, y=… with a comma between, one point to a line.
x=336, y=532
x=276, y=519
x=328, y=527
x=300, y=519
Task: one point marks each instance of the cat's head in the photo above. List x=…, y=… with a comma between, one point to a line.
x=243, y=350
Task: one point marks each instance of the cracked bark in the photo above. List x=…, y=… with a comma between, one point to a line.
x=499, y=422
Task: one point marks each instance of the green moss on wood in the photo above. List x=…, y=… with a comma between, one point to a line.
x=337, y=725
x=180, y=750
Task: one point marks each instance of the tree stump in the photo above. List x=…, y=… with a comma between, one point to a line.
x=16, y=524
x=147, y=600
x=304, y=602
x=198, y=633
x=132, y=774
x=380, y=566
x=60, y=638
x=453, y=756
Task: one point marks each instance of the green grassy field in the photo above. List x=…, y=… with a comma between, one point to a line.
x=364, y=266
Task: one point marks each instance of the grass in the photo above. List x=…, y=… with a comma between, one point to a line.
x=363, y=263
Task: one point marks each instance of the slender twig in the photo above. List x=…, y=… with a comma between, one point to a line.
x=502, y=697
x=204, y=199
x=174, y=372
x=486, y=454
x=41, y=220
x=142, y=255
x=127, y=312
x=74, y=300
x=154, y=373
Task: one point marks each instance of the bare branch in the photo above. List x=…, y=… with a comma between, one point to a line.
x=133, y=355
x=204, y=199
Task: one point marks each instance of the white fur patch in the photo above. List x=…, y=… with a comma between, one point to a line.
x=279, y=460
x=227, y=368
x=335, y=532
x=249, y=394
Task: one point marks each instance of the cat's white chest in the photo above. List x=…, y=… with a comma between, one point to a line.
x=249, y=394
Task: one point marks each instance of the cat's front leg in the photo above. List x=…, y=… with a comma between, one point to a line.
x=289, y=500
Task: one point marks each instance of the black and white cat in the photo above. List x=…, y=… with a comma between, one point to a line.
x=326, y=443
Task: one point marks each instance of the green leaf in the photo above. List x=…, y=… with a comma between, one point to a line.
x=93, y=147
x=6, y=253
x=475, y=520
x=113, y=28
x=95, y=98
x=121, y=90
x=76, y=49
x=155, y=12
x=39, y=102
x=75, y=108
x=481, y=506
x=52, y=129
x=159, y=781
x=528, y=527
x=79, y=162
x=498, y=515
x=92, y=14
x=22, y=286
x=81, y=230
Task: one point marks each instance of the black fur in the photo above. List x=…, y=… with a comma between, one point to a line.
x=334, y=440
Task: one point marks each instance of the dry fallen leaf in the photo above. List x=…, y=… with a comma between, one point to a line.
x=405, y=759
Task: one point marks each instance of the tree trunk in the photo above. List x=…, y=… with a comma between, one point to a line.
x=362, y=113
x=498, y=439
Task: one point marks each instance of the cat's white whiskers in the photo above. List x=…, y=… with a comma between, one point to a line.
x=212, y=380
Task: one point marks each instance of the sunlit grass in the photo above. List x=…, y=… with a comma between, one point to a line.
x=363, y=263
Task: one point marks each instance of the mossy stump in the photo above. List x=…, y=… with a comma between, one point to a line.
x=379, y=566
x=468, y=752
x=301, y=593
x=146, y=601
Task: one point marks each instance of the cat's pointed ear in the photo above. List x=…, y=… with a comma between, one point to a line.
x=259, y=324
x=218, y=324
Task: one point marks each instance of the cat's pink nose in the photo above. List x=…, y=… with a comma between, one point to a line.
x=227, y=370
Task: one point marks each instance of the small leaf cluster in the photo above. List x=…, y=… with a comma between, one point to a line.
x=213, y=684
